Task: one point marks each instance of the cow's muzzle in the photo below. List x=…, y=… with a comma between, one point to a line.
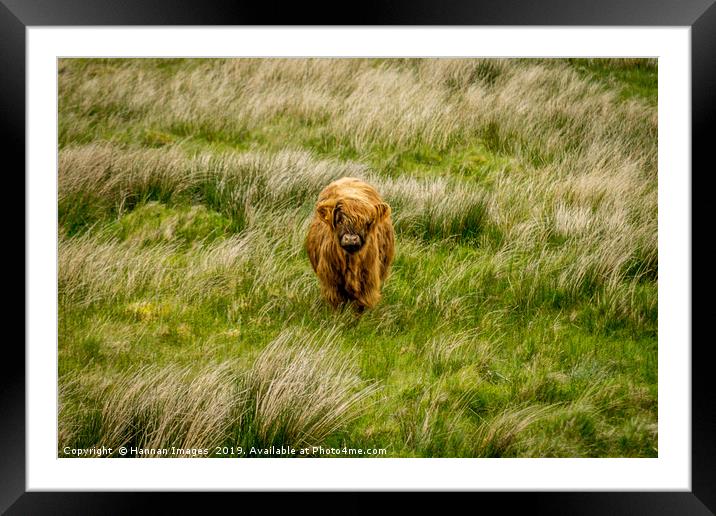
x=351, y=243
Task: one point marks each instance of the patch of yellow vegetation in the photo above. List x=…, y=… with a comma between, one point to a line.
x=184, y=330
x=146, y=310
x=233, y=332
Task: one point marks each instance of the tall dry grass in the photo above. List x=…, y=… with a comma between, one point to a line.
x=547, y=106
x=300, y=390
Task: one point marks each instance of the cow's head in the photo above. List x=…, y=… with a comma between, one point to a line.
x=352, y=223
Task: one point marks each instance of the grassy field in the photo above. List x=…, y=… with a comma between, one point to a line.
x=520, y=318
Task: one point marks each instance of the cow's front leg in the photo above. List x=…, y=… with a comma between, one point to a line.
x=334, y=294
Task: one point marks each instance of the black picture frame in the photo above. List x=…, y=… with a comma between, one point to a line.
x=699, y=15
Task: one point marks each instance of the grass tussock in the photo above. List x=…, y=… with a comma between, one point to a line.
x=302, y=390
x=295, y=393
x=520, y=317
x=94, y=185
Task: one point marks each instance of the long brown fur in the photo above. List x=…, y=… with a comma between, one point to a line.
x=354, y=277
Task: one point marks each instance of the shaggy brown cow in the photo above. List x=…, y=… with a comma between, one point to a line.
x=351, y=242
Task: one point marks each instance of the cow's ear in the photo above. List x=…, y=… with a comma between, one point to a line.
x=325, y=212
x=383, y=212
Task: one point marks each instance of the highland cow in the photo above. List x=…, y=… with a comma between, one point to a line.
x=351, y=243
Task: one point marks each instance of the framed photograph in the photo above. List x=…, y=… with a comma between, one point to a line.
x=447, y=250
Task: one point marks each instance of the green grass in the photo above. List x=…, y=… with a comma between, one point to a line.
x=520, y=317
x=633, y=78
